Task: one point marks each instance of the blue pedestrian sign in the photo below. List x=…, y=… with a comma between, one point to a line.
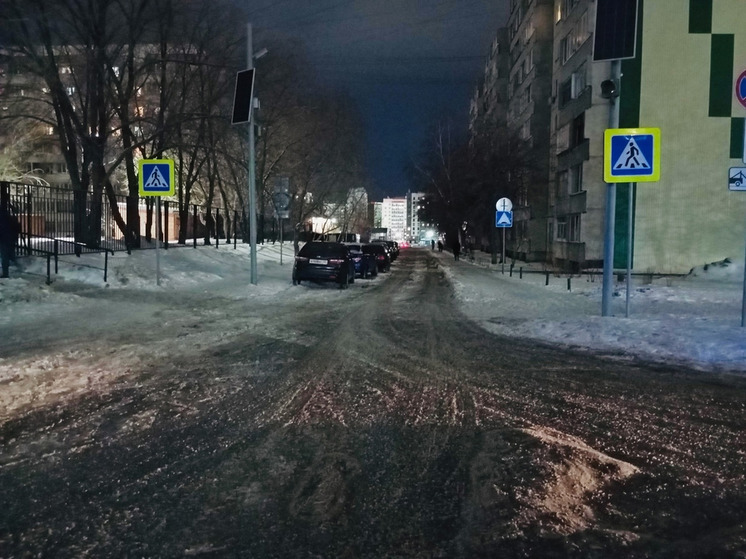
x=632, y=155
x=503, y=219
x=156, y=177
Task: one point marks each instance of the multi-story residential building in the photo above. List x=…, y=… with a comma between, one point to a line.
x=36, y=156
x=394, y=217
x=488, y=109
x=530, y=32
x=415, y=227
x=701, y=128
x=576, y=188
x=687, y=218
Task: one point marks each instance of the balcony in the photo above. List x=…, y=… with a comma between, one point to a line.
x=574, y=155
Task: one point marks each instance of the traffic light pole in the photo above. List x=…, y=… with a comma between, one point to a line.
x=608, y=279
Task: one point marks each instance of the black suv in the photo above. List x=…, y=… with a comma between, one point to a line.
x=322, y=261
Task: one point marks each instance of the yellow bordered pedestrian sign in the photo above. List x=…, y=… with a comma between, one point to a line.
x=632, y=155
x=156, y=177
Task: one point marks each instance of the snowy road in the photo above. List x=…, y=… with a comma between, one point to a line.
x=377, y=422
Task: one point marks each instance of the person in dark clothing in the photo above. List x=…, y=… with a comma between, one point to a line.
x=440, y=246
x=432, y=245
x=456, y=249
x=8, y=234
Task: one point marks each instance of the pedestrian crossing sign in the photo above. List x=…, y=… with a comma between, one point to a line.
x=156, y=177
x=503, y=219
x=632, y=154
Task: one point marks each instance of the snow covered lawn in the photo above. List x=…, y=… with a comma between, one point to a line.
x=693, y=320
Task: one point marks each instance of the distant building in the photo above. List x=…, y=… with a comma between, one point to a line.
x=394, y=217
x=415, y=228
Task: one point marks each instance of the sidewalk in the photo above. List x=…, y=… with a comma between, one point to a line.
x=693, y=320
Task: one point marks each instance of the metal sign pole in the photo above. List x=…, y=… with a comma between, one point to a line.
x=630, y=196
x=743, y=298
x=157, y=242
x=280, y=220
x=502, y=259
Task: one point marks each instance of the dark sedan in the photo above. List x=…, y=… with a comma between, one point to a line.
x=322, y=261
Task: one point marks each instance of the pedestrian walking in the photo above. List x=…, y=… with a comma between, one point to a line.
x=456, y=249
x=440, y=246
x=8, y=235
x=432, y=245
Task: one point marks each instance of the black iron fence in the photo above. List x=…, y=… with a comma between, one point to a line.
x=56, y=221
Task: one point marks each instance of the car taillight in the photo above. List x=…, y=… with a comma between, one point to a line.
x=335, y=261
x=381, y=257
x=357, y=258
x=301, y=259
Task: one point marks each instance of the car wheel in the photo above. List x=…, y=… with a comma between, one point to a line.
x=295, y=280
x=352, y=277
x=344, y=282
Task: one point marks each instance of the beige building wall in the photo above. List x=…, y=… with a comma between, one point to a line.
x=690, y=217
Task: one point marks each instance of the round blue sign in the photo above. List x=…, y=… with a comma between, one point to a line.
x=741, y=88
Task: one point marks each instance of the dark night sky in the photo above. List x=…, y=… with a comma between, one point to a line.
x=407, y=63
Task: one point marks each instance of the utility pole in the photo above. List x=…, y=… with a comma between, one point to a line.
x=608, y=279
x=252, y=167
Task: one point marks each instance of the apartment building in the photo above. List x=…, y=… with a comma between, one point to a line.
x=31, y=148
x=416, y=229
x=682, y=80
x=394, y=217
x=488, y=109
x=530, y=34
x=693, y=104
x=579, y=117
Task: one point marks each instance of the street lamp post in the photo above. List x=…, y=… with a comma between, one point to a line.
x=252, y=168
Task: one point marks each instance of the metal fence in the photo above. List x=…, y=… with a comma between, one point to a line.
x=56, y=221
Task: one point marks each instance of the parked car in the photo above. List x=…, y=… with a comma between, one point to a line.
x=388, y=247
x=365, y=264
x=383, y=260
x=323, y=261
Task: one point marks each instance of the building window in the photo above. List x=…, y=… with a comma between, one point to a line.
x=565, y=93
x=563, y=181
x=575, y=39
x=562, y=228
x=577, y=135
x=576, y=179
x=577, y=82
x=564, y=49
x=574, y=232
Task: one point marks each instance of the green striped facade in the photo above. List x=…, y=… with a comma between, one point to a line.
x=689, y=217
